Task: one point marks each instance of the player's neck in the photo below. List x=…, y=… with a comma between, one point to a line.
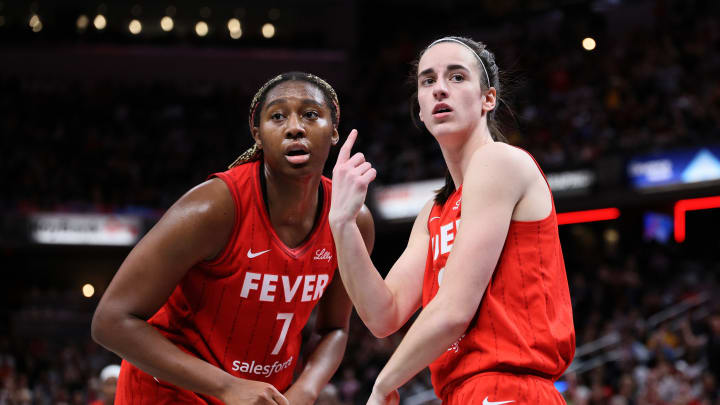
x=292, y=204
x=457, y=157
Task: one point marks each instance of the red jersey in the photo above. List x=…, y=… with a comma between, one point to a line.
x=524, y=322
x=244, y=311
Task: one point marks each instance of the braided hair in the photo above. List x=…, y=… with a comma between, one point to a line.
x=258, y=101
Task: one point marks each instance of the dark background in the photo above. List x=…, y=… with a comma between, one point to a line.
x=103, y=121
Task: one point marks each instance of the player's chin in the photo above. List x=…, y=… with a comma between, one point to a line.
x=445, y=129
x=304, y=169
x=298, y=167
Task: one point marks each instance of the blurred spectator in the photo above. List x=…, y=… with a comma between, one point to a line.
x=111, y=146
x=108, y=383
x=329, y=396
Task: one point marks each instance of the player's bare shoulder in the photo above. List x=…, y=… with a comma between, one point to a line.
x=210, y=200
x=513, y=164
x=204, y=215
x=424, y=213
x=518, y=171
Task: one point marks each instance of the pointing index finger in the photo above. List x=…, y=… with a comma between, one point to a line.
x=344, y=153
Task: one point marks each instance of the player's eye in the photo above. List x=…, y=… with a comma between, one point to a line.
x=313, y=115
x=276, y=116
x=427, y=81
x=457, y=77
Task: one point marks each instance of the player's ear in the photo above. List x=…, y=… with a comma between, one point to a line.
x=256, y=136
x=490, y=99
x=335, y=137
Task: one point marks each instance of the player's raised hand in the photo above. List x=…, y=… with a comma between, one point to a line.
x=351, y=177
x=250, y=392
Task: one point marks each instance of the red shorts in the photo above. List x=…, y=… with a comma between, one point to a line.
x=502, y=388
x=136, y=387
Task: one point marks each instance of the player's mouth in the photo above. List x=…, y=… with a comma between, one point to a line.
x=441, y=110
x=297, y=153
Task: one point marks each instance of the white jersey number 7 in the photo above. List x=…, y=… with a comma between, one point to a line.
x=286, y=318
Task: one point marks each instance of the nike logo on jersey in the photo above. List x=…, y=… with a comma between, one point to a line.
x=256, y=254
x=486, y=402
x=431, y=219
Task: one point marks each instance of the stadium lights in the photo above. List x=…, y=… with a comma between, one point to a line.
x=35, y=23
x=576, y=217
x=588, y=44
x=268, y=30
x=693, y=204
x=612, y=236
x=234, y=27
x=88, y=290
x=167, y=23
x=82, y=22
x=135, y=27
x=233, y=24
x=201, y=28
x=100, y=22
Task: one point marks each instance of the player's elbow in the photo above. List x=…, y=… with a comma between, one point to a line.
x=375, y=326
x=104, y=322
x=380, y=324
x=455, y=323
x=98, y=326
x=381, y=331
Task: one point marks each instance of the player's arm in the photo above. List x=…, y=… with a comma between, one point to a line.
x=383, y=305
x=195, y=228
x=496, y=180
x=332, y=324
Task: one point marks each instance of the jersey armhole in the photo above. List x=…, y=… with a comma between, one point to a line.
x=542, y=173
x=224, y=252
x=433, y=206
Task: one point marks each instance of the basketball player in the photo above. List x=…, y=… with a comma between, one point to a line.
x=209, y=306
x=483, y=258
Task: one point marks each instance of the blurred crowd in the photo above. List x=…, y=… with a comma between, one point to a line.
x=651, y=83
x=96, y=145
x=136, y=147
x=657, y=309
x=43, y=370
x=100, y=146
x=671, y=359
